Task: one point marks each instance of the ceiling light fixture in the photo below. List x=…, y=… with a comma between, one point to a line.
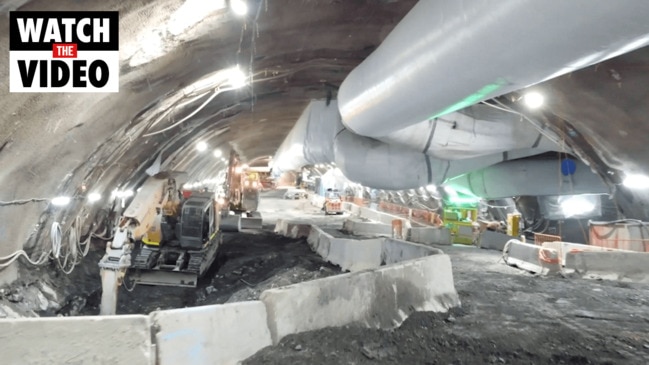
x=636, y=181
x=236, y=78
x=93, y=197
x=201, y=146
x=576, y=205
x=61, y=201
x=239, y=7
x=218, y=153
x=533, y=99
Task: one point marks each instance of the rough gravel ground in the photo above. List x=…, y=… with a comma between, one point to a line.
x=507, y=317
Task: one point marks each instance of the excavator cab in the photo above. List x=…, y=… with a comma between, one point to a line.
x=197, y=223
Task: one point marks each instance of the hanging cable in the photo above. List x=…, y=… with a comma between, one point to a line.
x=23, y=201
x=217, y=91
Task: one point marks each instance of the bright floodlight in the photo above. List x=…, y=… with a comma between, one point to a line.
x=636, y=181
x=201, y=146
x=218, y=153
x=93, y=197
x=236, y=77
x=239, y=7
x=576, y=205
x=533, y=99
x=61, y=201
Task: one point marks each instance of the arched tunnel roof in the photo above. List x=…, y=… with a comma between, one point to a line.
x=58, y=144
x=72, y=144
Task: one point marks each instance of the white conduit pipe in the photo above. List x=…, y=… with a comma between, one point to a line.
x=447, y=55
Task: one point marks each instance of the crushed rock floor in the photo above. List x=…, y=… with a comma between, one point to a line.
x=507, y=316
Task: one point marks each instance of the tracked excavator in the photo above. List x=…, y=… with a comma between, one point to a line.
x=166, y=238
x=242, y=188
x=161, y=239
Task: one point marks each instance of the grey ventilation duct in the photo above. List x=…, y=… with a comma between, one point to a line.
x=447, y=55
x=530, y=177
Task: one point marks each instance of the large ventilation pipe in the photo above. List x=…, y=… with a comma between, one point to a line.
x=320, y=137
x=475, y=131
x=311, y=139
x=447, y=55
x=380, y=165
x=530, y=177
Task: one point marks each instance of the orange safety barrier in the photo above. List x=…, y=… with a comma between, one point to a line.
x=619, y=237
x=545, y=257
x=397, y=228
x=539, y=238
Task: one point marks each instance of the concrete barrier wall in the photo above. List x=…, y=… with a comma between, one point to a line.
x=394, y=250
x=355, y=255
x=351, y=255
x=216, y=334
x=565, y=247
x=292, y=229
x=381, y=298
x=319, y=241
x=534, y=258
x=494, y=240
x=361, y=228
x=430, y=235
x=381, y=217
x=230, y=333
x=76, y=340
x=611, y=265
x=351, y=208
x=522, y=255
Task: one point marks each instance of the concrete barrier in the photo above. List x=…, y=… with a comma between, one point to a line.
x=292, y=229
x=319, y=241
x=351, y=255
x=531, y=257
x=77, y=340
x=494, y=240
x=430, y=235
x=417, y=278
x=351, y=208
x=355, y=255
x=394, y=250
x=610, y=265
x=380, y=298
x=382, y=217
x=565, y=247
x=217, y=334
x=361, y=228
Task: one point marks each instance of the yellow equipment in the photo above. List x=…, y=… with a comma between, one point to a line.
x=460, y=221
x=513, y=224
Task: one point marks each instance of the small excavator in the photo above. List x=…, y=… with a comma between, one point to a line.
x=166, y=238
x=243, y=187
x=161, y=239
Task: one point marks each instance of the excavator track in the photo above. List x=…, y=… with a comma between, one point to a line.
x=147, y=268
